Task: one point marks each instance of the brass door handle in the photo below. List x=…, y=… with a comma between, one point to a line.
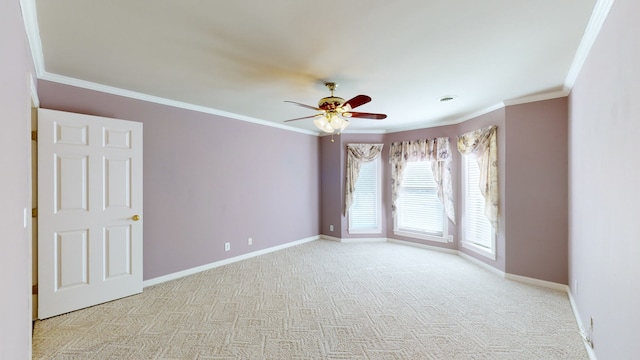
x=135, y=217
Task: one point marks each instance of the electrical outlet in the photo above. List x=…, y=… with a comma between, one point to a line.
x=227, y=246
x=330, y=227
x=250, y=241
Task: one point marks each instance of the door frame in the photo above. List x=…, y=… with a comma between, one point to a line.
x=33, y=103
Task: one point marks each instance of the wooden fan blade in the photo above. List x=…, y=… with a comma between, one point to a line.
x=306, y=117
x=303, y=105
x=366, y=115
x=357, y=101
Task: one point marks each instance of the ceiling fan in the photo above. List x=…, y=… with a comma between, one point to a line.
x=335, y=112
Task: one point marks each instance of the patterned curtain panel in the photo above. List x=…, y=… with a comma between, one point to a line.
x=356, y=155
x=438, y=152
x=482, y=145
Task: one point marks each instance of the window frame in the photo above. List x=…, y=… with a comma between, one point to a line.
x=471, y=245
x=378, y=176
x=417, y=234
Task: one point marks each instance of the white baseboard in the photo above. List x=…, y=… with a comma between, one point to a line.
x=352, y=240
x=583, y=331
x=519, y=278
x=363, y=240
x=574, y=306
x=330, y=238
x=537, y=282
x=481, y=264
x=197, y=269
x=423, y=246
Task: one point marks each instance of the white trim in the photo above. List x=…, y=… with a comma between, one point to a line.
x=522, y=279
x=164, y=101
x=452, y=122
x=481, y=264
x=479, y=249
x=197, y=269
x=517, y=101
x=363, y=240
x=583, y=331
x=423, y=246
x=537, y=97
x=422, y=236
x=596, y=21
x=537, y=282
x=34, y=91
x=371, y=231
x=30, y=19
x=574, y=306
x=518, y=278
x=355, y=131
x=330, y=238
x=478, y=113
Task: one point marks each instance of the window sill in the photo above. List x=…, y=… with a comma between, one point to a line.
x=365, y=231
x=479, y=250
x=441, y=239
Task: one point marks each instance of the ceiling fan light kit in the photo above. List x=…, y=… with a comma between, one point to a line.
x=331, y=124
x=335, y=111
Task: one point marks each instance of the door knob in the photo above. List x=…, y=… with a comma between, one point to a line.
x=135, y=217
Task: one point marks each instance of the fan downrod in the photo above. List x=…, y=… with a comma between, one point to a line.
x=331, y=86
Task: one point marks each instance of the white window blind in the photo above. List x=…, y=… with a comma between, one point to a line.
x=477, y=228
x=418, y=208
x=364, y=214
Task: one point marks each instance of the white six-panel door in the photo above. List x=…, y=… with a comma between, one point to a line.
x=89, y=210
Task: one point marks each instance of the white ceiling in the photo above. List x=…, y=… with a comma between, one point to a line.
x=246, y=57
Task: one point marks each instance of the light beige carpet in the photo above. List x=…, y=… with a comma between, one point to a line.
x=325, y=300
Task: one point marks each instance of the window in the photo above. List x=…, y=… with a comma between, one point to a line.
x=478, y=233
x=364, y=214
x=420, y=212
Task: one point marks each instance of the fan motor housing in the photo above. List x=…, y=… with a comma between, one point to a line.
x=330, y=103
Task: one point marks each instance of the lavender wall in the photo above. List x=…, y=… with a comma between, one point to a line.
x=532, y=240
x=536, y=190
x=604, y=212
x=332, y=190
x=210, y=180
x=15, y=196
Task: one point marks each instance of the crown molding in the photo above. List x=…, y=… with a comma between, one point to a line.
x=596, y=21
x=163, y=101
x=537, y=97
x=453, y=121
x=30, y=19
x=227, y=261
x=376, y=132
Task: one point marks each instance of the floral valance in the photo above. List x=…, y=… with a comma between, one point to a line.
x=438, y=152
x=420, y=150
x=356, y=155
x=482, y=145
